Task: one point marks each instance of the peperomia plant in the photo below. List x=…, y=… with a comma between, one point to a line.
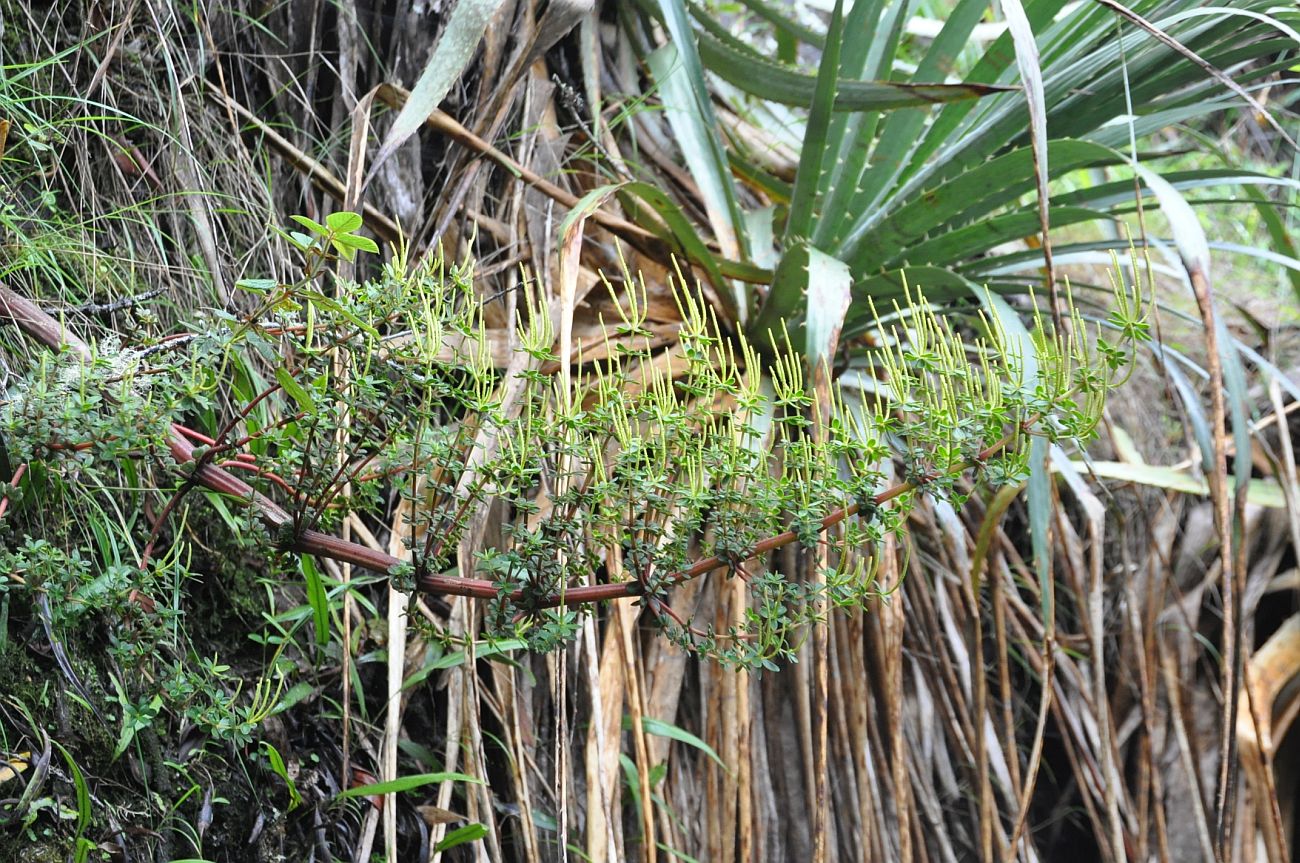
x=620, y=478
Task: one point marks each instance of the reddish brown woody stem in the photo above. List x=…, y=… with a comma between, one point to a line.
x=18, y=477
x=34, y=321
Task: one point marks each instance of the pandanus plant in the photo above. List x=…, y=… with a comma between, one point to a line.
x=907, y=175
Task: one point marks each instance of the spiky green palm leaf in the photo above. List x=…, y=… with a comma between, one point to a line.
x=930, y=185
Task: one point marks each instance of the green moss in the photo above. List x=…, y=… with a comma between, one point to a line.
x=18, y=845
x=26, y=684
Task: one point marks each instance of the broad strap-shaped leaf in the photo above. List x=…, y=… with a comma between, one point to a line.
x=812, y=159
x=677, y=70
x=997, y=58
x=448, y=59
x=660, y=728
x=939, y=286
x=995, y=181
x=1031, y=77
x=1041, y=507
x=1122, y=191
x=1010, y=332
x=964, y=243
x=1193, y=410
x=1097, y=253
x=829, y=292
x=810, y=296
x=671, y=225
x=1156, y=31
x=406, y=783
x=858, y=184
x=1277, y=232
x=1194, y=250
x=741, y=66
x=778, y=191
x=1260, y=492
x=690, y=114
x=784, y=24
x=317, y=599
x=870, y=37
x=785, y=299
